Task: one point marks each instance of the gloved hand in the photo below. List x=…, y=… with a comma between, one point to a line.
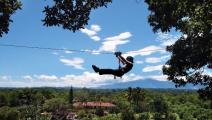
x=117, y=54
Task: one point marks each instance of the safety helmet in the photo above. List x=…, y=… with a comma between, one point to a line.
x=130, y=58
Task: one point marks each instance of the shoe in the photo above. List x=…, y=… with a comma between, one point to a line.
x=96, y=69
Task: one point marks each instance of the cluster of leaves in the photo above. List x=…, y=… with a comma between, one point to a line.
x=192, y=53
x=7, y=8
x=71, y=14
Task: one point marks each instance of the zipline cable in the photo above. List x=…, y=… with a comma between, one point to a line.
x=55, y=49
x=72, y=50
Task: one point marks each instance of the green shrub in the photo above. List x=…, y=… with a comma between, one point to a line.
x=145, y=116
x=173, y=116
x=127, y=115
x=99, y=111
x=7, y=113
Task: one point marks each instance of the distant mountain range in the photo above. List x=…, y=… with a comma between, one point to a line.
x=146, y=83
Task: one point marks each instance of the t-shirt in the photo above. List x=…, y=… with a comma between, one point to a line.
x=127, y=67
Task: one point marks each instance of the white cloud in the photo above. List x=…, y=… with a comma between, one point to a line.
x=139, y=62
x=110, y=44
x=4, y=78
x=75, y=62
x=90, y=79
x=88, y=32
x=68, y=52
x=121, y=36
x=152, y=68
x=46, y=77
x=95, y=38
x=158, y=77
x=55, y=53
x=95, y=27
x=87, y=79
x=152, y=60
x=156, y=59
x=27, y=77
x=131, y=77
x=167, y=39
x=146, y=51
x=92, y=33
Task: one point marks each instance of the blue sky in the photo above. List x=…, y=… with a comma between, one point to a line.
x=122, y=26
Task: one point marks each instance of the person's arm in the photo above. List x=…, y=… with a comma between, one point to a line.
x=122, y=59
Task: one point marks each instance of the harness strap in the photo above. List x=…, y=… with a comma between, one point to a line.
x=118, y=68
x=119, y=64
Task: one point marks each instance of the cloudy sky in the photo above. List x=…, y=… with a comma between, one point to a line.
x=122, y=26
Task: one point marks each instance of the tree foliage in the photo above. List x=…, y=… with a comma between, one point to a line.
x=145, y=116
x=7, y=113
x=3, y=100
x=192, y=52
x=71, y=96
x=160, y=105
x=134, y=95
x=7, y=8
x=71, y=14
x=55, y=104
x=40, y=103
x=127, y=114
x=99, y=111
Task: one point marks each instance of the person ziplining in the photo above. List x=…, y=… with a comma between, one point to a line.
x=128, y=65
x=128, y=62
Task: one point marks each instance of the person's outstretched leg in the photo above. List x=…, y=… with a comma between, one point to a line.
x=103, y=71
x=116, y=72
x=107, y=71
x=96, y=69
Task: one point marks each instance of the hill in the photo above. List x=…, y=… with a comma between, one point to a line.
x=145, y=83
